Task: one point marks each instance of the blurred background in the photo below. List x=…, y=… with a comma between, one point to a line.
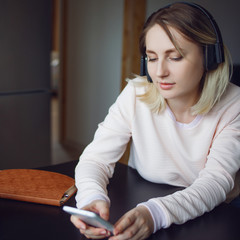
x=62, y=65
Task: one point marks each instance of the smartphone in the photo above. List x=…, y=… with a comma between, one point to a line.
x=90, y=218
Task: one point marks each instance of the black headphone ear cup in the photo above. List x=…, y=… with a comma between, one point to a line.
x=210, y=57
x=143, y=69
x=148, y=76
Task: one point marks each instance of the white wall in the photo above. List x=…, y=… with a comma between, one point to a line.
x=226, y=14
x=94, y=64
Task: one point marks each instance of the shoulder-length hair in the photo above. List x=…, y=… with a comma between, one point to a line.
x=195, y=27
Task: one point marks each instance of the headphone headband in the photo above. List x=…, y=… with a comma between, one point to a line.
x=219, y=42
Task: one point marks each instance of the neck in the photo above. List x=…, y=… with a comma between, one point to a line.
x=182, y=112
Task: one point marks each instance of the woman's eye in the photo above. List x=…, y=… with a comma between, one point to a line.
x=176, y=59
x=152, y=59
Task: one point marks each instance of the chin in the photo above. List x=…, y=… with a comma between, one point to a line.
x=167, y=94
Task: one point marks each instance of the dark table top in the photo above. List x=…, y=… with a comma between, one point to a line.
x=22, y=220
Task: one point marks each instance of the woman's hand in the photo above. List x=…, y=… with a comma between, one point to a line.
x=100, y=207
x=135, y=224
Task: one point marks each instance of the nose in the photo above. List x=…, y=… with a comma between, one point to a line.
x=162, y=68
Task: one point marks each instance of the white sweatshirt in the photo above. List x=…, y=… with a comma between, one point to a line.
x=202, y=156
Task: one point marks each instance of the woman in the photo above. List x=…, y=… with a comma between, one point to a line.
x=184, y=124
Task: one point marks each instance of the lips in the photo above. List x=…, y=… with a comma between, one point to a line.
x=166, y=86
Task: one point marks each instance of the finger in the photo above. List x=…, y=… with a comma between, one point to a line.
x=134, y=225
x=95, y=233
x=100, y=207
x=104, y=212
x=88, y=230
x=126, y=221
x=130, y=233
x=134, y=232
x=103, y=209
x=78, y=223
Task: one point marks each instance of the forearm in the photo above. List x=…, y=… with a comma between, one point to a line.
x=91, y=181
x=202, y=196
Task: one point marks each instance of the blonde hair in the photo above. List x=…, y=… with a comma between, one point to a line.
x=195, y=27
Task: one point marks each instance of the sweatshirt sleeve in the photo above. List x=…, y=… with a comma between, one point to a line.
x=98, y=160
x=211, y=187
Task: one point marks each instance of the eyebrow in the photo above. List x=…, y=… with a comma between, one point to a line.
x=168, y=51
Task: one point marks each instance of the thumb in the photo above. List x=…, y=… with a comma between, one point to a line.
x=104, y=211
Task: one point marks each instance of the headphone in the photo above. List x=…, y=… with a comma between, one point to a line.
x=213, y=53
